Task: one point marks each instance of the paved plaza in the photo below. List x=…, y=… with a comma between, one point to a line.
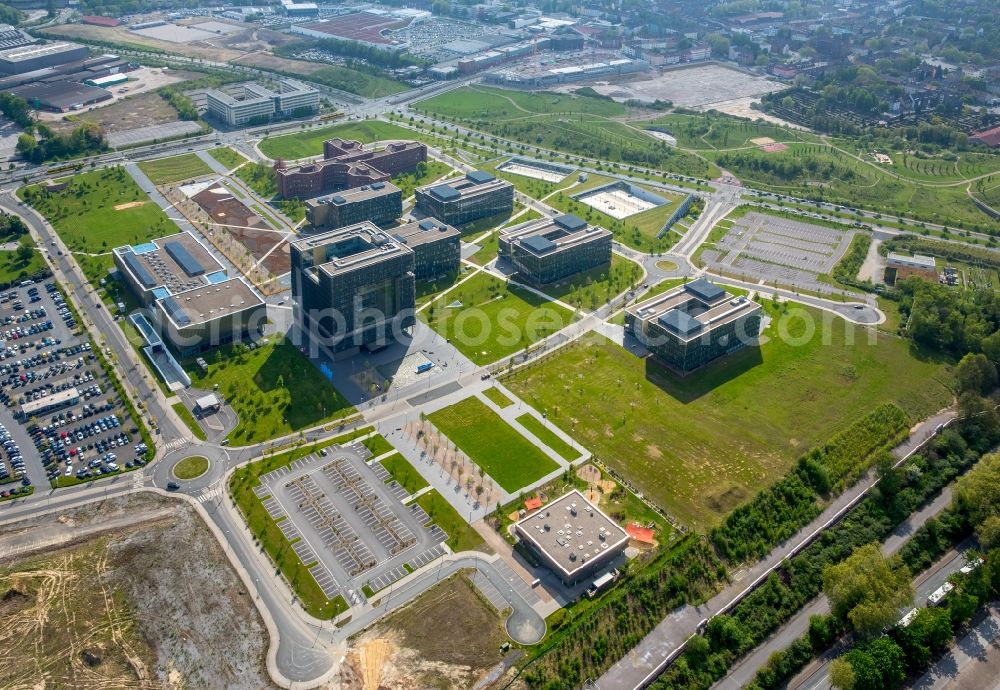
x=348, y=521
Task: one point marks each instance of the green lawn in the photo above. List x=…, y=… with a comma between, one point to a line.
x=504, y=454
x=12, y=268
x=310, y=142
x=175, y=168
x=85, y=217
x=191, y=467
x=495, y=320
x=548, y=437
x=579, y=125
x=274, y=389
x=425, y=173
x=356, y=81
x=497, y=397
x=404, y=473
x=228, y=157
x=377, y=445
x=593, y=288
x=185, y=414
x=461, y=537
x=700, y=445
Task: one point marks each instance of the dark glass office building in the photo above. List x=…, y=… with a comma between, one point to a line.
x=477, y=195
x=353, y=287
x=550, y=249
x=693, y=324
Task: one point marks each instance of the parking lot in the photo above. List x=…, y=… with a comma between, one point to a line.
x=761, y=246
x=349, y=521
x=57, y=398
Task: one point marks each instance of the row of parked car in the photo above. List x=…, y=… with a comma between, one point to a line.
x=14, y=465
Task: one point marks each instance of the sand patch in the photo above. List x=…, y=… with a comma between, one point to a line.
x=762, y=141
x=589, y=474
x=130, y=204
x=654, y=452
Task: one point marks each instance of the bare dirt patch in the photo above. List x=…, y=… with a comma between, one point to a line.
x=448, y=637
x=122, y=610
x=131, y=204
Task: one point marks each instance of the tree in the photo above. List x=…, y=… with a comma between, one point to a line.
x=25, y=249
x=867, y=590
x=890, y=659
x=866, y=672
x=977, y=494
x=842, y=674
x=976, y=373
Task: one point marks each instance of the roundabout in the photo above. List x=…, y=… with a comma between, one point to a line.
x=190, y=467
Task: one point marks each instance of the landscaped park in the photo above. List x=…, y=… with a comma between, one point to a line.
x=487, y=320
x=273, y=389
x=510, y=459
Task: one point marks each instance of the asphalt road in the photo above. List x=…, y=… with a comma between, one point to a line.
x=640, y=665
x=742, y=673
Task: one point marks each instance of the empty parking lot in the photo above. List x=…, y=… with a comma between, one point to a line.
x=349, y=522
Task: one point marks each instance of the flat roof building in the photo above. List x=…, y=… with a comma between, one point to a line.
x=477, y=195
x=167, y=265
x=210, y=315
x=572, y=537
x=353, y=287
x=57, y=400
x=195, y=305
x=347, y=164
x=257, y=103
x=917, y=265
x=550, y=249
x=691, y=325
x=437, y=247
x=378, y=202
x=28, y=58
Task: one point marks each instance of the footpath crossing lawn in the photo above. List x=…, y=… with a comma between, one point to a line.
x=702, y=444
x=510, y=459
x=492, y=320
x=175, y=168
x=228, y=157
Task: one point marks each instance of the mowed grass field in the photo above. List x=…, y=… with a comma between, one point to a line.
x=494, y=320
x=310, y=142
x=100, y=210
x=228, y=157
x=273, y=389
x=700, y=445
x=175, y=168
x=510, y=459
x=12, y=268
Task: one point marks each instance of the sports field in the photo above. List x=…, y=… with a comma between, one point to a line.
x=700, y=445
x=491, y=320
x=175, y=168
x=510, y=459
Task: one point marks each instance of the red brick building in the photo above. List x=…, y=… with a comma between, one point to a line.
x=347, y=164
